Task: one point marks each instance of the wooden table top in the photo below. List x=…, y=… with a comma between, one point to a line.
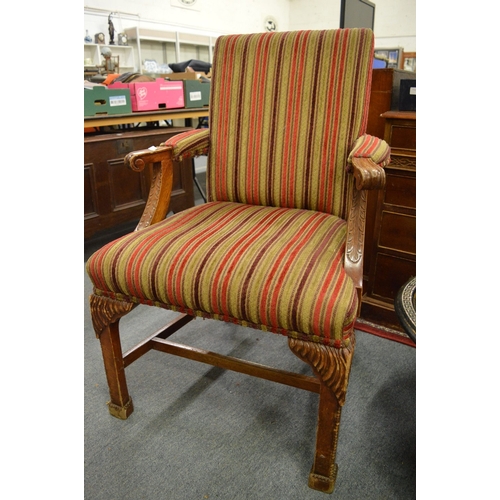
x=144, y=116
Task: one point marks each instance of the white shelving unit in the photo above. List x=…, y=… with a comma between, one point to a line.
x=170, y=46
x=92, y=51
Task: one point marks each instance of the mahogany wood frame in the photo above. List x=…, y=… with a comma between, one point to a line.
x=330, y=365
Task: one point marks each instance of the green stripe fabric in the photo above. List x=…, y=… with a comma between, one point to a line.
x=267, y=251
x=285, y=109
x=368, y=146
x=276, y=269
x=188, y=144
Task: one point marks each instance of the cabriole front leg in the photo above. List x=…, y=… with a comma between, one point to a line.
x=106, y=314
x=332, y=367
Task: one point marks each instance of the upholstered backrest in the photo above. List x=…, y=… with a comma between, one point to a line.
x=285, y=108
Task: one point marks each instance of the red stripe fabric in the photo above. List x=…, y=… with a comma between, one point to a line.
x=288, y=112
x=285, y=109
x=277, y=269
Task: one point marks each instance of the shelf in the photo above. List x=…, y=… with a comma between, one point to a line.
x=115, y=46
x=148, y=34
x=167, y=47
x=92, y=51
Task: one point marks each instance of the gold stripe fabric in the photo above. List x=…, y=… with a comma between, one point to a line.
x=285, y=110
x=267, y=251
x=276, y=269
x=368, y=146
x=189, y=144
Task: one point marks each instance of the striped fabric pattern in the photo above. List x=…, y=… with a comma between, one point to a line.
x=368, y=146
x=189, y=144
x=285, y=109
x=267, y=251
x=275, y=269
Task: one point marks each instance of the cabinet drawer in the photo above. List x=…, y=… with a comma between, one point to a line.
x=400, y=189
x=398, y=232
x=404, y=137
x=391, y=274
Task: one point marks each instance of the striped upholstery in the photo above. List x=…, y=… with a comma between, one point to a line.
x=271, y=268
x=287, y=112
x=189, y=144
x=368, y=146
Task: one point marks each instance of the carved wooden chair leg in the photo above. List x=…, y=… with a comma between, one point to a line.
x=332, y=366
x=106, y=314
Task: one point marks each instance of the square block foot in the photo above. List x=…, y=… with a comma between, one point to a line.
x=323, y=483
x=121, y=412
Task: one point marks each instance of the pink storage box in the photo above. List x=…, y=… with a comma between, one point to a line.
x=149, y=96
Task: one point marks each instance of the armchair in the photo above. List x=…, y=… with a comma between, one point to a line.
x=279, y=244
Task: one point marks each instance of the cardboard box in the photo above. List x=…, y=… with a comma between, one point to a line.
x=196, y=93
x=150, y=96
x=104, y=101
x=188, y=75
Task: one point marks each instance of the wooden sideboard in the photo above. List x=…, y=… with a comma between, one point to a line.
x=115, y=195
x=384, y=97
x=390, y=242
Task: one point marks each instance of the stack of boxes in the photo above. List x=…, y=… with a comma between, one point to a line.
x=180, y=90
x=151, y=96
x=196, y=88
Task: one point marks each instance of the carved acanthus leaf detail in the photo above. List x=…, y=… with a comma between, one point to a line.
x=356, y=226
x=153, y=200
x=161, y=183
x=332, y=365
x=105, y=311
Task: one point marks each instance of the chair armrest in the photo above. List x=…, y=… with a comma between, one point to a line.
x=189, y=144
x=161, y=183
x=177, y=148
x=367, y=160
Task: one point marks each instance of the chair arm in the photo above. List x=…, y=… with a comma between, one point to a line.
x=161, y=182
x=367, y=160
x=189, y=144
x=177, y=148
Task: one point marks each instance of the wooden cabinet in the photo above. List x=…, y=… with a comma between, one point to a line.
x=384, y=97
x=391, y=224
x=115, y=195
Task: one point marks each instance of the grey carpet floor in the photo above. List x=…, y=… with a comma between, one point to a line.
x=200, y=432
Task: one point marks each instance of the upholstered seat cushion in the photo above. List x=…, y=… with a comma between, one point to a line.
x=276, y=269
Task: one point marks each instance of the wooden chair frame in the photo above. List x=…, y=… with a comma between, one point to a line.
x=330, y=365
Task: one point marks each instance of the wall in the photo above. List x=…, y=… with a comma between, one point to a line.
x=319, y=14
x=395, y=20
x=395, y=24
x=208, y=16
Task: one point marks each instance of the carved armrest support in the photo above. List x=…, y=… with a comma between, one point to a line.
x=161, y=182
x=353, y=259
x=368, y=174
x=179, y=147
x=367, y=160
